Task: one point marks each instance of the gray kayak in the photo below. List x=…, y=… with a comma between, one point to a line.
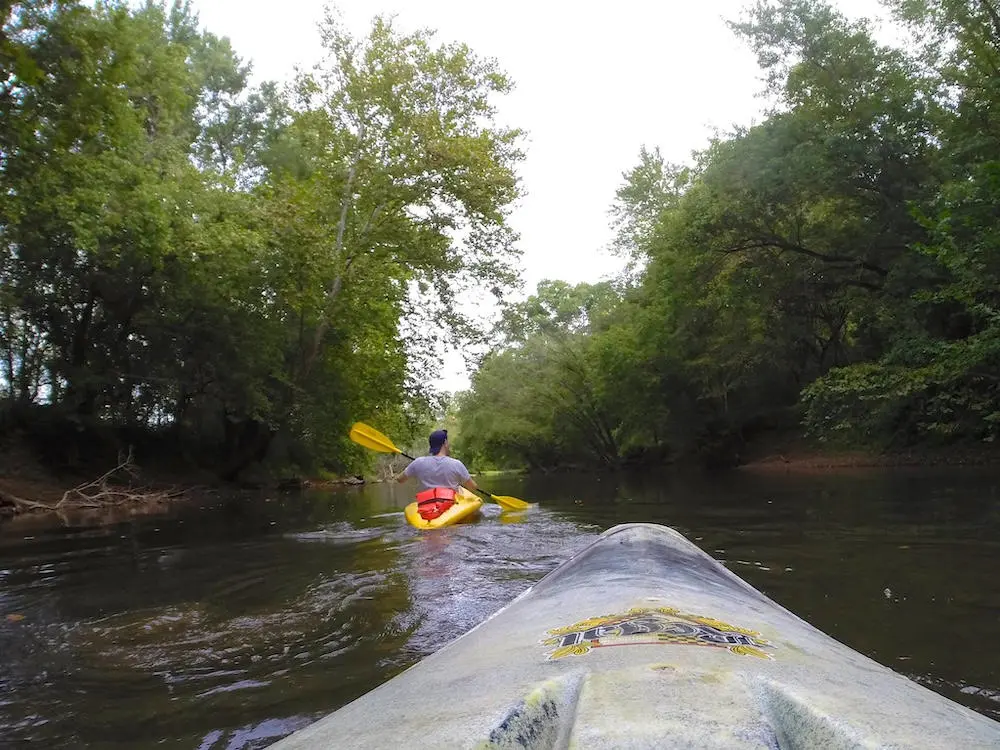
x=643, y=641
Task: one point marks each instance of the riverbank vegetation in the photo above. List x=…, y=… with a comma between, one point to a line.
x=833, y=269
x=218, y=274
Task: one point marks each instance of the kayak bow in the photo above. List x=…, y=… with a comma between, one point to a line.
x=643, y=641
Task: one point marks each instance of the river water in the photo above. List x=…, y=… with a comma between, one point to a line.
x=232, y=624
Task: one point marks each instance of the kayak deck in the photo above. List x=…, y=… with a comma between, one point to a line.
x=466, y=507
x=643, y=641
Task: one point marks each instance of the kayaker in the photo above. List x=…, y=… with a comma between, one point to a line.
x=438, y=468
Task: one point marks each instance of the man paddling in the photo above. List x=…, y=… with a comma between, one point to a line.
x=438, y=469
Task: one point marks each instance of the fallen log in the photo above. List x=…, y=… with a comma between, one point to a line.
x=22, y=505
x=112, y=489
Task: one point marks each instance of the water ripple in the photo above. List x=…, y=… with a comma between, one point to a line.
x=233, y=627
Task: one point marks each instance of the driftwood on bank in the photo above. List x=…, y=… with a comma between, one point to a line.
x=20, y=505
x=112, y=489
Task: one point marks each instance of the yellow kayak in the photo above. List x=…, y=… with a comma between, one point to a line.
x=466, y=507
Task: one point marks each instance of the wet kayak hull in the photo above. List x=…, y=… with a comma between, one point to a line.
x=643, y=641
x=466, y=508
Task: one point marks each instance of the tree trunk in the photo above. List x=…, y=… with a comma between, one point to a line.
x=334, y=291
x=79, y=391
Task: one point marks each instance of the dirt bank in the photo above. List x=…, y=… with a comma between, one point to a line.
x=111, y=494
x=804, y=456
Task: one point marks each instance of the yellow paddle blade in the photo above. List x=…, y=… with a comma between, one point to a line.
x=510, y=503
x=369, y=437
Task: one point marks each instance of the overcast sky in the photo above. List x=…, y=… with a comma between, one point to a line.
x=592, y=86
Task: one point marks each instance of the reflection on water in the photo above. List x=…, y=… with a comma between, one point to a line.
x=231, y=626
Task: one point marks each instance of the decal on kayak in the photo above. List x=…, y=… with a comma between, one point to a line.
x=663, y=626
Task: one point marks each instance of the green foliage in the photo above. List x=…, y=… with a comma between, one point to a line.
x=839, y=261
x=934, y=391
x=227, y=268
x=937, y=380
x=538, y=403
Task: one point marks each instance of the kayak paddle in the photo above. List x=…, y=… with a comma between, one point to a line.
x=369, y=437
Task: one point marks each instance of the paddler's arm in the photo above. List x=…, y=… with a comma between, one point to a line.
x=469, y=483
x=404, y=474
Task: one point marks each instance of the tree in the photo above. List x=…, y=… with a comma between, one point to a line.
x=836, y=261
x=538, y=402
x=393, y=200
x=229, y=270
x=936, y=381
x=648, y=189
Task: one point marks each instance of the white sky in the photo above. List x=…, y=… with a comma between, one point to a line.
x=592, y=86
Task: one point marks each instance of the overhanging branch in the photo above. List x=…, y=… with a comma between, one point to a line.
x=793, y=247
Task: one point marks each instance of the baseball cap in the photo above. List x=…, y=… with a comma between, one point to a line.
x=437, y=439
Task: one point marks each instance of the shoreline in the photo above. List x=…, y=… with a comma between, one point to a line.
x=31, y=492
x=39, y=497
x=28, y=491
x=803, y=459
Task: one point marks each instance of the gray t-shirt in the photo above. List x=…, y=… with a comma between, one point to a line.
x=437, y=471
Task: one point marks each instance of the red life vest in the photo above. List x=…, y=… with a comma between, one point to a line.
x=435, y=501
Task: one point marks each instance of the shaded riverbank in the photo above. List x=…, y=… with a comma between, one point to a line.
x=112, y=494
x=28, y=488
x=86, y=495
x=807, y=458
x=791, y=450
